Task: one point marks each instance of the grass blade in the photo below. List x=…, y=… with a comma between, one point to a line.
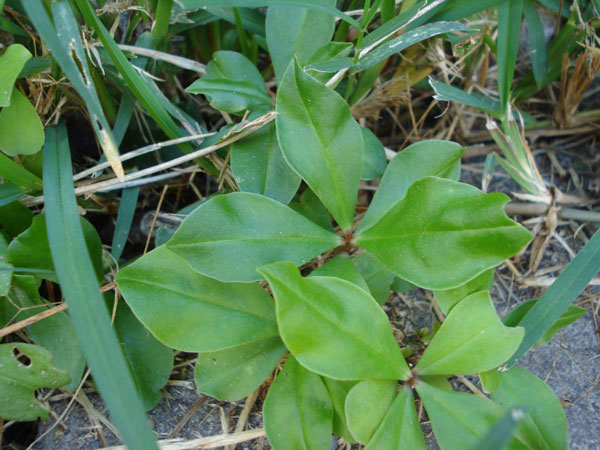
x=66, y=47
x=81, y=291
x=509, y=31
x=124, y=219
x=537, y=41
x=9, y=192
x=499, y=435
x=11, y=171
x=447, y=93
x=557, y=298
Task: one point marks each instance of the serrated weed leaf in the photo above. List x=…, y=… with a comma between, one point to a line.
x=298, y=413
x=471, y=340
x=400, y=428
x=231, y=235
x=191, y=312
x=333, y=327
x=443, y=234
x=321, y=141
x=420, y=160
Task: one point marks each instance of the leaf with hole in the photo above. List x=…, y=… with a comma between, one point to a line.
x=191, y=312
x=328, y=324
x=426, y=158
x=231, y=235
x=366, y=406
x=471, y=340
x=23, y=369
x=11, y=64
x=21, y=130
x=400, y=428
x=233, y=373
x=259, y=166
x=297, y=411
x=546, y=424
x=443, y=234
x=320, y=141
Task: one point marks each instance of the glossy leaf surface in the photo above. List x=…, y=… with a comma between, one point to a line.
x=449, y=298
x=149, y=361
x=23, y=369
x=259, y=166
x=21, y=130
x=423, y=159
x=188, y=311
x=546, y=424
x=293, y=31
x=444, y=233
x=471, y=340
x=231, y=235
x=233, y=373
x=459, y=420
x=328, y=324
x=320, y=141
x=297, y=411
x=400, y=428
x=11, y=64
x=366, y=405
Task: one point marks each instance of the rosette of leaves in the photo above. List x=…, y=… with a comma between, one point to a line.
x=339, y=367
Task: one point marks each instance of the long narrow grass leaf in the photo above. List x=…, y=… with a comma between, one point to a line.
x=557, y=298
x=124, y=220
x=537, y=41
x=445, y=92
x=509, y=31
x=63, y=40
x=9, y=192
x=501, y=432
x=311, y=4
x=81, y=291
x=11, y=171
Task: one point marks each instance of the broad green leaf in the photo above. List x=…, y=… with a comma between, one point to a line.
x=232, y=83
x=513, y=318
x=376, y=274
x=338, y=391
x=498, y=437
x=366, y=405
x=459, y=420
x=318, y=5
x=233, y=373
x=11, y=171
x=6, y=272
x=23, y=369
x=406, y=40
x=444, y=233
x=537, y=41
x=560, y=295
x=426, y=158
x=489, y=380
x=509, y=32
x=400, y=285
x=297, y=411
x=320, y=141
x=449, y=298
x=9, y=192
x=341, y=267
x=81, y=291
x=55, y=333
x=31, y=250
x=15, y=218
x=149, y=361
x=191, y=312
x=545, y=427
x=11, y=64
x=471, y=340
x=311, y=207
x=375, y=160
x=296, y=31
x=259, y=166
x=329, y=324
x=446, y=93
x=400, y=428
x=21, y=130
x=231, y=235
